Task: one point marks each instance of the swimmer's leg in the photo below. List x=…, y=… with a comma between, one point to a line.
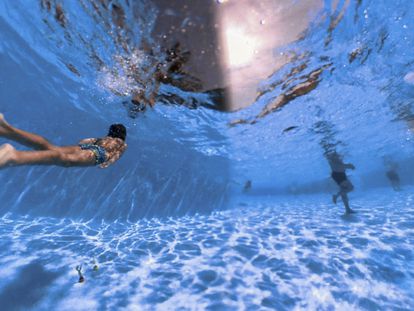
x=345, y=200
x=25, y=138
x=6, y=151
x=335, y=197
x=11, y=157
x=346, y=187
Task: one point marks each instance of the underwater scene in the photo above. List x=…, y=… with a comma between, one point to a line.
x=261, y=156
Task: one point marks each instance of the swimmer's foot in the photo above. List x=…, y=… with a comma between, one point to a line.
x=4, y=126
x=350, y=211
x=334, y=198
x=6, y=154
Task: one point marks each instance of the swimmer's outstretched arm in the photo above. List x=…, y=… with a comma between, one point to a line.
x=25, y=138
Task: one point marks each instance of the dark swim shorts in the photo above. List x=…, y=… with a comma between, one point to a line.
x=100, y=153
x=339, y=177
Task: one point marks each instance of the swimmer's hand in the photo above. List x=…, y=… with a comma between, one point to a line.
x=105, y=164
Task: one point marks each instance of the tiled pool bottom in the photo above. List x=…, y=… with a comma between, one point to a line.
x=276, y=253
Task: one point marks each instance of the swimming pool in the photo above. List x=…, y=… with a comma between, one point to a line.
x=170, y=226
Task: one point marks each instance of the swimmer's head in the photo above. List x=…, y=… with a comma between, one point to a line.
x=117, y=131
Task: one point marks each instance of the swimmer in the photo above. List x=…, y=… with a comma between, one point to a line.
x=392, y=173
x=89, y=152
x=338, y=174
x=247, y=186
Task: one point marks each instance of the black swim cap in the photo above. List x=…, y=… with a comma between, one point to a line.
x=117, y=131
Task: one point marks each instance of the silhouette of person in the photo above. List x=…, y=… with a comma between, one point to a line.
x=338, y=174
x=247, y=186
x=391, y=173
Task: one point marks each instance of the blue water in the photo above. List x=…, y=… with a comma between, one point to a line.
x=168, y=225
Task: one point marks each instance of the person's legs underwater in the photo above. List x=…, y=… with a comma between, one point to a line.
x=45, y=154
x=345, y=188
x=25, y=138
x=335, y=197
x=57, y=156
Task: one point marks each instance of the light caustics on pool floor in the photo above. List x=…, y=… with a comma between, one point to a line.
x=279, y=254
x=342, y=88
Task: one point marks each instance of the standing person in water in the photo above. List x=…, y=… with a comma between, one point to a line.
x=338, y=174
x=392, y=173
x=89, y=152
x=247, y=186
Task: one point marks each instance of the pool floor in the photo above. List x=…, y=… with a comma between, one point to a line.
x=284, y=253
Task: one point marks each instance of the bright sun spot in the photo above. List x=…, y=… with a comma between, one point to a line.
x=240, y=47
